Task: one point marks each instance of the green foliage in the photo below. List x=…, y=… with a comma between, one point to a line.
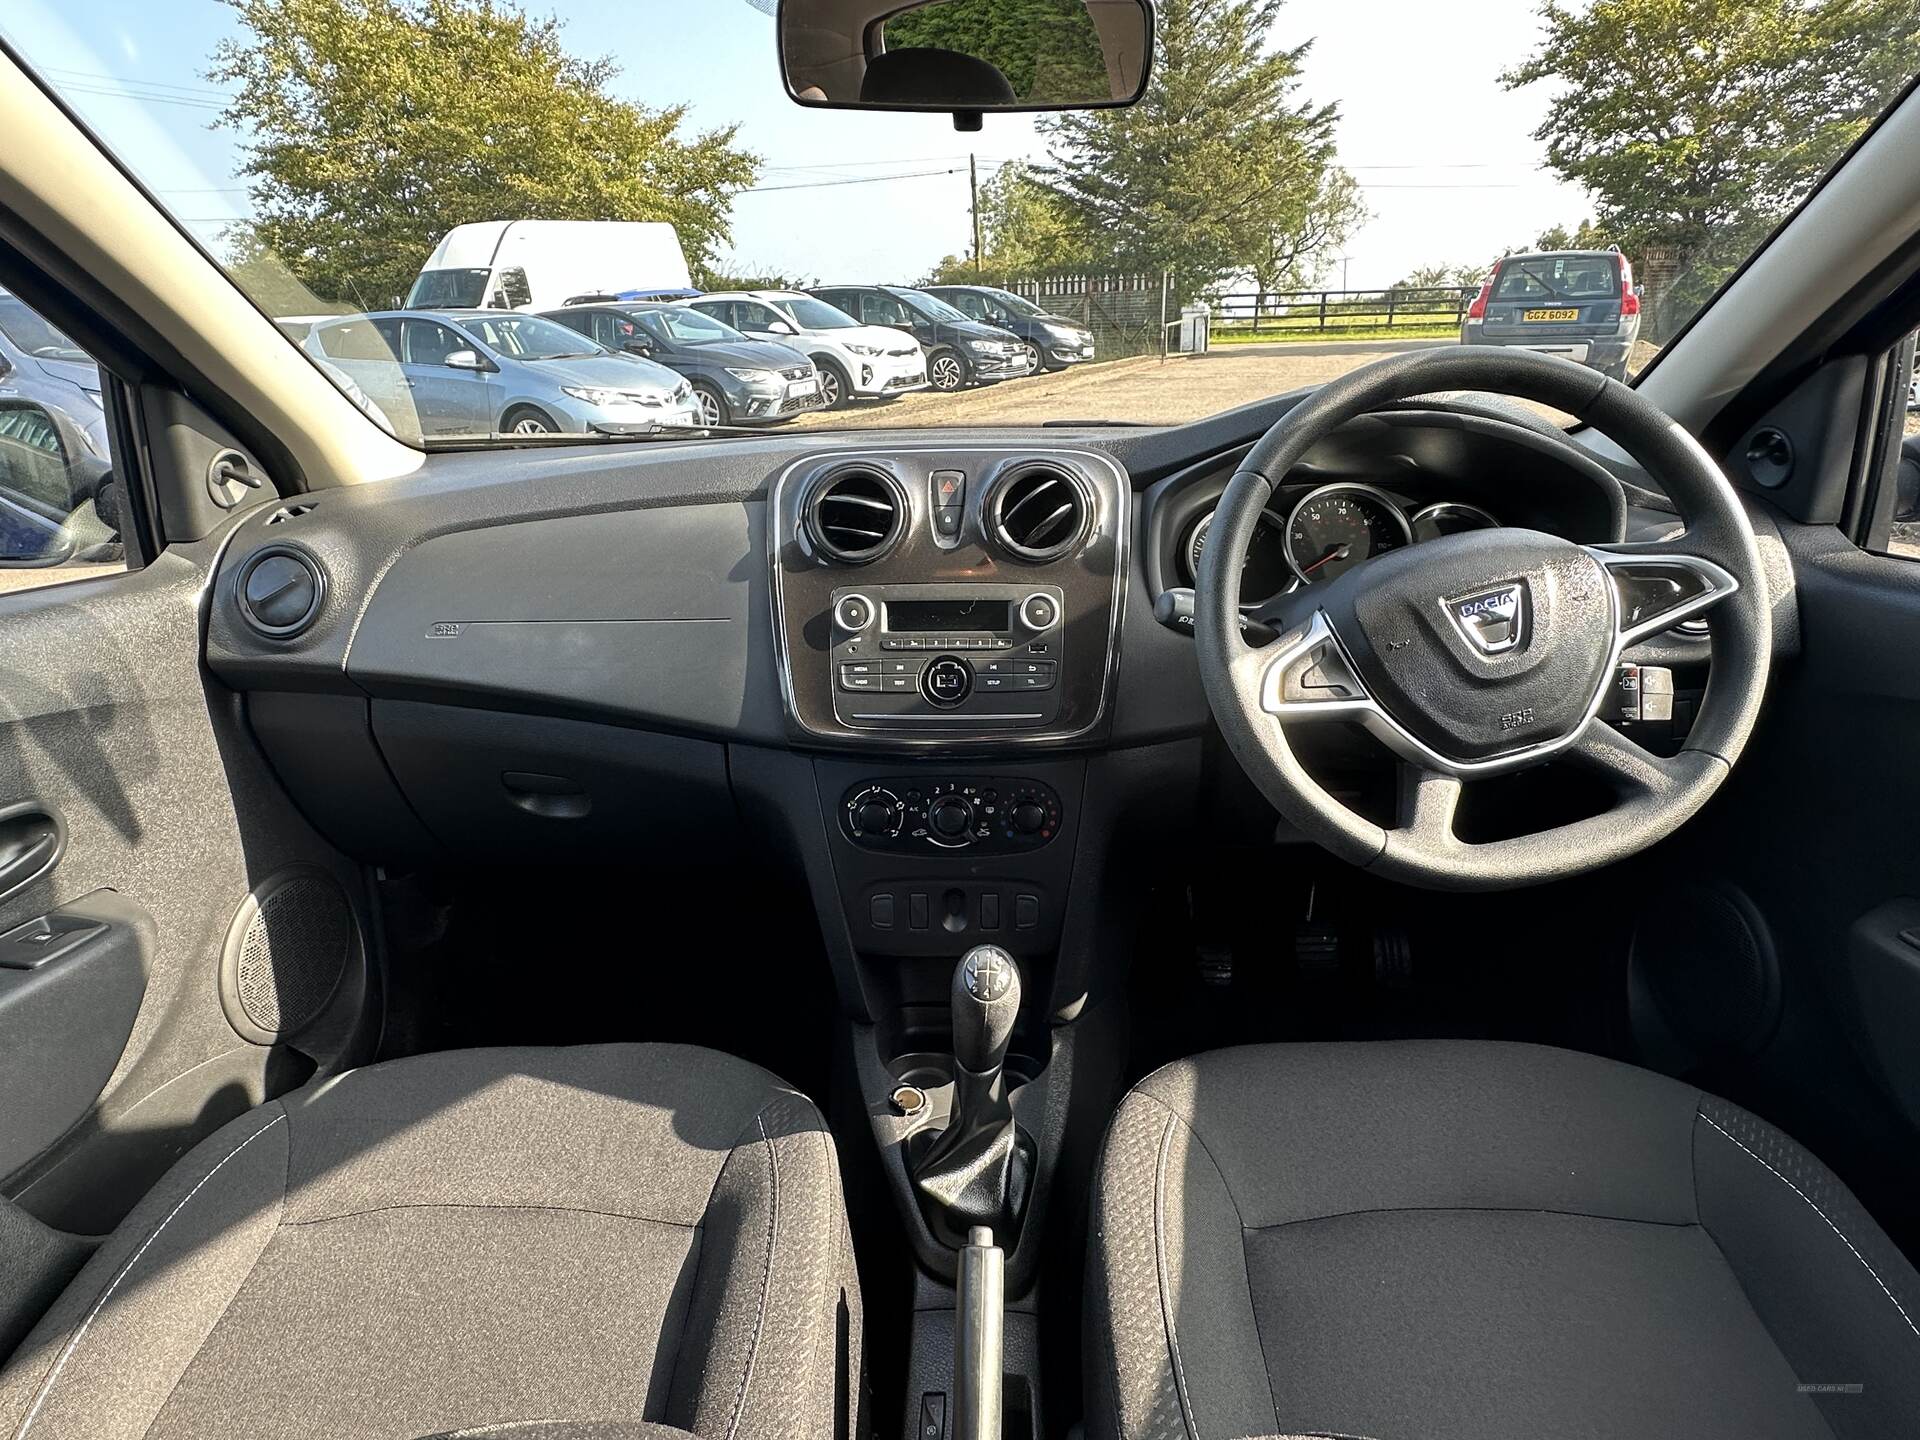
x=707, y=277
x=1585, y=236
x=1025, y=230
x=1048, y=49
x=1697, y=124
x=374, y=126
x=1433, y=277
x=1220, y=169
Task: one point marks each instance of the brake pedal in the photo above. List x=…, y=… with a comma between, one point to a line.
x=1316, y=944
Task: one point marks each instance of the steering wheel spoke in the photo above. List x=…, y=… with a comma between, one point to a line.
x=1624, y=762
x=1659, y=583
x=1428, y=801
x=1305, y=675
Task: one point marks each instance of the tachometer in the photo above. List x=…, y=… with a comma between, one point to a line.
x=1335, y=527
x=1266, y=572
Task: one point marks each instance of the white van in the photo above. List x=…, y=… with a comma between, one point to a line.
x=542, y=264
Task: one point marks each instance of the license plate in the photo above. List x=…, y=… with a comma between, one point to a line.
x=803, y=387
x=1551, y=317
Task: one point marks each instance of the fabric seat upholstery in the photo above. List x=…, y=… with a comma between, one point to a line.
x=623, y=1237
x=1429, y=1240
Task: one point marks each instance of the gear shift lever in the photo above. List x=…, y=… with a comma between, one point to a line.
x=986, y=1001
x=977, y=1171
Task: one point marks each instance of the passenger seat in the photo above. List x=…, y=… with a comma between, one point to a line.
x=601, y=1241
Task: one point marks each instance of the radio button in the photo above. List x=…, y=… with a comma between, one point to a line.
x=947, y=681
x=854, y=612
x=1039, y=612
x=859, y=677
x=903, y=667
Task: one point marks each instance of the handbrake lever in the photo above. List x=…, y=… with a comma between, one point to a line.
x=978, y=1337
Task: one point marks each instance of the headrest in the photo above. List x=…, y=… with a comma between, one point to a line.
x=935, y=77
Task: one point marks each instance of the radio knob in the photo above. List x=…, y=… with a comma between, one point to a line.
x=947, y=681
x=951, y=818
x=1039, y=611
x=1028, y=817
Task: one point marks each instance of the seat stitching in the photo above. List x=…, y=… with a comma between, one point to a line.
x=491, y=1205
x=1160, y=1265
x=766, y=1288
x=73, y=1342
x=1469, y=1210
x=1830, y=1225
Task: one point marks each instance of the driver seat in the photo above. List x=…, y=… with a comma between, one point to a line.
x=1438, y=1240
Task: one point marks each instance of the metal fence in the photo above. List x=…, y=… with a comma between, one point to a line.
x=1124, y=312
x=1287, y=312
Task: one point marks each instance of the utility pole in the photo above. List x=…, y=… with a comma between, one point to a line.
x=973, y=181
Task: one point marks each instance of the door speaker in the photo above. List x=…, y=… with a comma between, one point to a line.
x=286, y=952
x=1704, y=960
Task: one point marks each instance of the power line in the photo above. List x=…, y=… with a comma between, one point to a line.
x=856, y=180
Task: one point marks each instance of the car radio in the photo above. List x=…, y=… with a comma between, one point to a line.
x=981, y=655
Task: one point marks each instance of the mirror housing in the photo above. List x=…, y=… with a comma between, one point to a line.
x=637, y=346
x=929, y=56
x=781, y=327
x=466, y=360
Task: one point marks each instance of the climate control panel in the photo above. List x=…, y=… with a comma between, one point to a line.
x=981, y=814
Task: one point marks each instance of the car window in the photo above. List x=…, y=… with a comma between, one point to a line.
x=689, y=327
x=428, y=342
x=879, y=309
x=812, y=314
x=357, y=340
x=528, y=337
x=973, y=306
x=59, y=495
x=1301, y=190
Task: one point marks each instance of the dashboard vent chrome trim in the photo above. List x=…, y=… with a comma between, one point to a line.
x=1039, y=512
x=857, y=515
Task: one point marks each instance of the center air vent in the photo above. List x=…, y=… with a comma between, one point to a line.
x=856, y=516
x=1039, y=513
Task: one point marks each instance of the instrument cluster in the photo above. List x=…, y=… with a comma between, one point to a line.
x=1327, y=530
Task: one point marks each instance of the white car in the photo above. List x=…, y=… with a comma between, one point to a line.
x=855, y=361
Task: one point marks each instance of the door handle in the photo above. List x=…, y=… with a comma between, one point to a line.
x=32, y=839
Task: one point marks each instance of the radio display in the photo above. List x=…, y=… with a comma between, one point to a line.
x=922, y=616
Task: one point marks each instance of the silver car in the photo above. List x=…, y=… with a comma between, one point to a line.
x=444, y=373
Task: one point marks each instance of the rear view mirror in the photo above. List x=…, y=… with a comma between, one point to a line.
x=966, y=56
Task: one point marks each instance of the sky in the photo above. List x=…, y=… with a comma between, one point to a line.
x=1443, y=154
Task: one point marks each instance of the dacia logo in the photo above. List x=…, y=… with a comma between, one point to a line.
x=1493, y=619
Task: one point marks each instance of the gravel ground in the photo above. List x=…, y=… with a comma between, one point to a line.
x=1183, y=387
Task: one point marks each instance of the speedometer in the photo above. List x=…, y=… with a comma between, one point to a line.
x=1335, y=527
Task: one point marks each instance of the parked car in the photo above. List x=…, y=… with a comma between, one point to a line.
x=736, y=380
x=960, y=351
x=854, y=360
x=534, y=264
x=39, y=363
x=478, y=372
x=58, y=504
x=1053, y=341
x=1578, y=303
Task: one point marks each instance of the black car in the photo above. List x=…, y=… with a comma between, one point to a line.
x=961, y=351
x=738, y=381
x=1053, y=341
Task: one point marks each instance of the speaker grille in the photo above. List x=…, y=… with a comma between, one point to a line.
x=295, y=935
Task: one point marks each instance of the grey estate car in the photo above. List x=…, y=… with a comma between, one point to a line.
x=486, y=372
x=1579, y=304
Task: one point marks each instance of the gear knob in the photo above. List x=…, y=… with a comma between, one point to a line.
x=986, y=1000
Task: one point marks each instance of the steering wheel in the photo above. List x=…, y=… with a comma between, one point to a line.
x=1482, y=653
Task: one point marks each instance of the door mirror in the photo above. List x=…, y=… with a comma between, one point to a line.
x=967, y=56
x=780, y=327
x=637, y=345
x=465, y=360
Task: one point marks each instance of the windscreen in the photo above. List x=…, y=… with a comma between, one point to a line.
x=1304, y=186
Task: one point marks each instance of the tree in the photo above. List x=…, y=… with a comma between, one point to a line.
x=1308, y=220
x=1443, y=277
x=1697, y=124
x=1048, y=49
x=374, y=126
x=1219, y=169
x=1584, y=236
x=1025, y=230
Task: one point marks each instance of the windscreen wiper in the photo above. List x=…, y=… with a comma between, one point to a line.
x=1552, y=289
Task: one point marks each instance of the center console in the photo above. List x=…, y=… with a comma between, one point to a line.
x=947, y=623
x=952, y=598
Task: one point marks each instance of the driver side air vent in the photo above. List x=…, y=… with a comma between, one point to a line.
x=1039, y=513
x=856, y=516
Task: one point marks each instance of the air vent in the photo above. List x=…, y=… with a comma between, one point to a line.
x=1039, y=513
x=856, y=516
x=280, y=591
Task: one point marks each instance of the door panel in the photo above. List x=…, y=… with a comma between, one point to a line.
x=171, y=820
